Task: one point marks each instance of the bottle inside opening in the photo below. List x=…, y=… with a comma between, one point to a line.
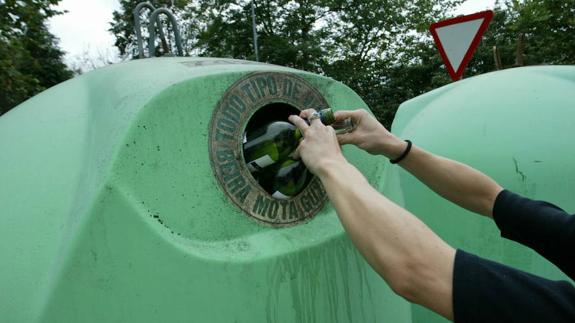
x=269, y=177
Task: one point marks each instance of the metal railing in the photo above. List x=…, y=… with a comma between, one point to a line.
x=153, y=22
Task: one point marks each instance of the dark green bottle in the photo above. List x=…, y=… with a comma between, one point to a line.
x=285, y=179
x=275, y=142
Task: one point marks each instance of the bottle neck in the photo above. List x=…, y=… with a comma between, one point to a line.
x=326, y=116
x=341, y=127
x=344, y=126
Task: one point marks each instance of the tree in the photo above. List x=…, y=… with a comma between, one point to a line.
x=386, y=54
x=30, y=60
x=532, y=32
x=353, y=41
x=361, y=43
x=382, y=49
x=288, y=31
x=544, y=31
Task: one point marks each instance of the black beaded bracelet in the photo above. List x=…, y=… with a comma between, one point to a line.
x=405, y=152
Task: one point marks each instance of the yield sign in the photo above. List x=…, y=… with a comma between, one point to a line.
x=458, y=38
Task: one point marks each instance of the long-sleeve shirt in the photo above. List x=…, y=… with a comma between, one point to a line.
x=486, y=291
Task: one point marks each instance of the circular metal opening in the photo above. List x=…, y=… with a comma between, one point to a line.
x=277, y=111
x=252, y=101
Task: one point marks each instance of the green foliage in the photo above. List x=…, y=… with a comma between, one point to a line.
x=287, y=31
x=361, y=43
x=548, y=28
x=381, y=49
x=386, y=56
x=30, y=60
x=531, y=32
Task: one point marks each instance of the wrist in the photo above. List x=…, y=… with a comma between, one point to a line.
x=342, y=177
x=404, y=154
x=393, y=147
x=331, y=167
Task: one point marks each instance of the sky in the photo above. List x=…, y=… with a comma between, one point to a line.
x=84, y=36
x=83, y=31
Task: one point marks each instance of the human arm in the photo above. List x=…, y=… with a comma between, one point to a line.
x=413, y=260
x=484, y=290
x=541, y=226
x=457, y=182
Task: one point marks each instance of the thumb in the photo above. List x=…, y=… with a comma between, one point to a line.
x=295, y=154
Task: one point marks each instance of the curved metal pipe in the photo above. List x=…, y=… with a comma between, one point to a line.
x=138, y=27
x=152, y=31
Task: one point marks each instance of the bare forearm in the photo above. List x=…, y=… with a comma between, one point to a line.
x=457, y=182
x=407, y=254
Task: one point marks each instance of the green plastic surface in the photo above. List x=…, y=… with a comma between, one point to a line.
x=517, y=126
x=110, y=211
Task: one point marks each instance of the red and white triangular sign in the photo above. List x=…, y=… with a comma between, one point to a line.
x=458, y=38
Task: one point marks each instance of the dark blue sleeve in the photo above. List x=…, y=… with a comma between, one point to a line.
x=486, y=291
x=539, y=225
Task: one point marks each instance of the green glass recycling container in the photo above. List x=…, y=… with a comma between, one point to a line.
x=124, y=197
x=518, y=127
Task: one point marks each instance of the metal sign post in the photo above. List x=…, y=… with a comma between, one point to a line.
x=255, y=32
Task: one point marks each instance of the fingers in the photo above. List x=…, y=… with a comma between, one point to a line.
x=299, y=122
x=307, y=113
x=345, y=139
x=311, y=115
x=314, y=121
x=344, y=114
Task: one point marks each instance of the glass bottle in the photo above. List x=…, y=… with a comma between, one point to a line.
x=275, y=141
x=285, y=179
